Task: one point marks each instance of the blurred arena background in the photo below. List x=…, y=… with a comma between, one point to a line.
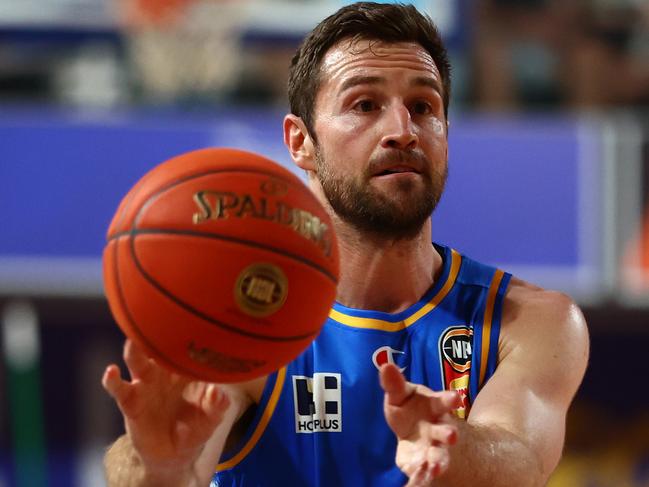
x=549, y=178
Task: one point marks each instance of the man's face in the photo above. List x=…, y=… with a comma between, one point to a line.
x=381, y=153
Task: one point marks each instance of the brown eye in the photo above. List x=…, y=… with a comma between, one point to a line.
x=365, y=106
x=422, y=108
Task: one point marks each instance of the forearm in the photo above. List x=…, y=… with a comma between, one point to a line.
x=491, y=456
x=124, y=468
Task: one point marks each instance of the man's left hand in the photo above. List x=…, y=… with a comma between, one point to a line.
x=422, y=421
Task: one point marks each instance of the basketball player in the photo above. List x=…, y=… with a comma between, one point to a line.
x=476, y=369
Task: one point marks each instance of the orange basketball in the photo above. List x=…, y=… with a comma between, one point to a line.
x=221, y=264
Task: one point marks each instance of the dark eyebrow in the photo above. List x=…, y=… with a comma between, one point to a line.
x=360, y=80
x=427, y=81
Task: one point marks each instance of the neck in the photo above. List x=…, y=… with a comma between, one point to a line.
x=382, y=274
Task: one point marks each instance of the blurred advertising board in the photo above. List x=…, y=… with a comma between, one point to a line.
x=523, y=193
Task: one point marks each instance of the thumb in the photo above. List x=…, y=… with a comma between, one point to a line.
x=397, y=389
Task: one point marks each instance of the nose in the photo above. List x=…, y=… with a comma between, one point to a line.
x=399, y=129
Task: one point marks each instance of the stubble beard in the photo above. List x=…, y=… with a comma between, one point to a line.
x=399, y=216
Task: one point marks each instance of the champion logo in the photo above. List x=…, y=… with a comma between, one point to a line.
x=385, y=355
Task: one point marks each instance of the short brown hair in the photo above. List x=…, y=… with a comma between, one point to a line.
x=367, y=21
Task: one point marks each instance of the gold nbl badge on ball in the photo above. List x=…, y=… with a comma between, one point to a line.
x=261, y=289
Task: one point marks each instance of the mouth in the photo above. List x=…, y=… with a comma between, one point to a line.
x=397, y=170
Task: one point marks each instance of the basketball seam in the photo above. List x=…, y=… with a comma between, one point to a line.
x=134, y=325
x=227, y=238
x=206, y=317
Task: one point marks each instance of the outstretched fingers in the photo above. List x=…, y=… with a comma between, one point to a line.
x=139, y=365
x=421, y=477
x=421, y=419
x=443, y=402
x=441, y=434
x=424, y=464
x=119, y=389
x=397, y=389
x=200, y=418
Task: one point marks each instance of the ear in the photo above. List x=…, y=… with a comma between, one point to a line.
x=299, y=142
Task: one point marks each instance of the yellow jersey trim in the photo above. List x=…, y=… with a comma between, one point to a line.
x=376, y=324
x=261, y=426
x=486, y=325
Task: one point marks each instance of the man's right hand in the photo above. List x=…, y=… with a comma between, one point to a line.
x=168, y=418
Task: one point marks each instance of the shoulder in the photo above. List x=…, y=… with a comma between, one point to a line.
x=543, y=325
x=542, y=357
x=529, y=306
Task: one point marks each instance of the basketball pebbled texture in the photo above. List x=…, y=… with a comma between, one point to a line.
x=221, y=264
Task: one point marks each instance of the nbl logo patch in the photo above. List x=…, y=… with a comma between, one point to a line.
x=456, y=346
x=318, y=403
x=455, y=354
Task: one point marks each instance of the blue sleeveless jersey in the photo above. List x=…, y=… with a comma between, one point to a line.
x=320, y=421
